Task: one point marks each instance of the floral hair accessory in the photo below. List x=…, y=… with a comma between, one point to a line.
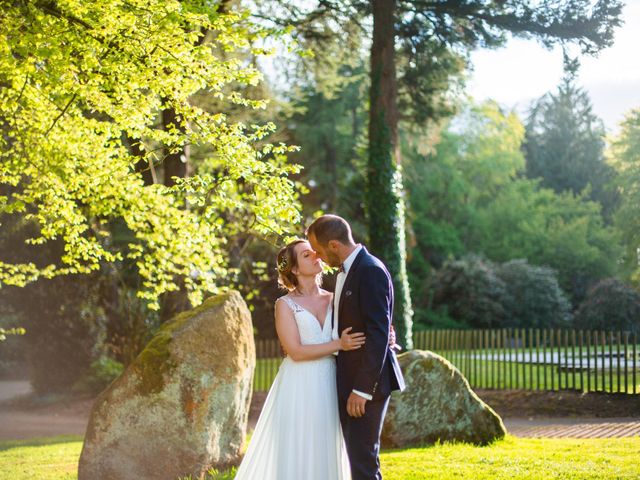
x=282, y=265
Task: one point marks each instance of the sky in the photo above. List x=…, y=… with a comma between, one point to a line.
x=524, y=70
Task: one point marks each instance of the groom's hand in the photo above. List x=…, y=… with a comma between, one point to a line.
x=355, y=405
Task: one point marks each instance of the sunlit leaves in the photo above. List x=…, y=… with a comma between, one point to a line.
x=79, y=77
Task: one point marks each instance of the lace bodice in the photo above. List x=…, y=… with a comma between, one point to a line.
x=311, y=332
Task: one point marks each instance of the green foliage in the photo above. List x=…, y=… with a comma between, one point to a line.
x=534, y=299
x=469, y=196
x=130, y=323
x=562, y=231
x=430, y=76
x=471, y=291
x=565, y=145
x=65, y=329
x=11, y=331
x=477, y=155
x=385, y=206
x=12, y=353
x=433, y=39
x=610, y=305
x=100, y=374
x=475, y=292
x=625, y=157
x=65, y=324
x=330, y=130
x=78, y=78
x=436, y=319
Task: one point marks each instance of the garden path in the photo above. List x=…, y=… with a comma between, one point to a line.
x=18, y=421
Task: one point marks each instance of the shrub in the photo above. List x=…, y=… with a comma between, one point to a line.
x=535, y=299
x=438, y=319
x=471, y=291
x=475, y=292
x=64, y=329
x=12, y=352
x=610, y=305
x=101, y=373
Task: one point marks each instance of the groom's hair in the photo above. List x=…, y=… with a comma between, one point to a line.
x=330, y=227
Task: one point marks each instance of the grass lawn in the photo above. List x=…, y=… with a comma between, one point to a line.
x=513, y=458
x=519, y=458
x=50, y=458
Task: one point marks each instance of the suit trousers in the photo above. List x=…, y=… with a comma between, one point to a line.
x=362, y=438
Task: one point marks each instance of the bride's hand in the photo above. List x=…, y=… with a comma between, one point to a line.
x=351, y=341
x=392, y=340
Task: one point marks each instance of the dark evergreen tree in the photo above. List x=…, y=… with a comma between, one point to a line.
x=565, y=144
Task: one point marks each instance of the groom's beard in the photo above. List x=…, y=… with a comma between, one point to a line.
x=333, y=259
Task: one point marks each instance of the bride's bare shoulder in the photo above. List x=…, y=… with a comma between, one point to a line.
x=282, y=298
x=282, y=305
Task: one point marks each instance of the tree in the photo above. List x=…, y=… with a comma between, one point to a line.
x=330, y=129
x=476, y=292
x=64, y=328
x=462, y=25
x=534, y=299
x=565, y=145
x=562, y=231
x=83, y=85
x=469, y=195
x=470, y=291
x=625, y=158
x=610, y=305
x=446, y=186
x=457, y=26
x=384, y=200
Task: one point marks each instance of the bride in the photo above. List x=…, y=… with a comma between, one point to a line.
x=298, y=435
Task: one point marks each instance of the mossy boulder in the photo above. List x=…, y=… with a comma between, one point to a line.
x=437, y=405
x=182, y=406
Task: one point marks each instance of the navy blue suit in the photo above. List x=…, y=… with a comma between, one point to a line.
x=366, y=305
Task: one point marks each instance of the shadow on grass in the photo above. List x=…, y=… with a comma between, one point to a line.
x=230, y=473
x=508, y=438
x=38, y=442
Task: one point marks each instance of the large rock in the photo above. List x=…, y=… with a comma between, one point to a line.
x=182, y=406
x=438, y=404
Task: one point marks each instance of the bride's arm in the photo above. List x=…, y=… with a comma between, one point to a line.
x=290, y=338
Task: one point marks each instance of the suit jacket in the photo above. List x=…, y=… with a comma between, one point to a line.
x=366, y=305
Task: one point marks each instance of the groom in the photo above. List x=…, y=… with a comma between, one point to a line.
x=366, y=377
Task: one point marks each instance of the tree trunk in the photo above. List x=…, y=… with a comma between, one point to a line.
x=175, y=164
x=385, y=204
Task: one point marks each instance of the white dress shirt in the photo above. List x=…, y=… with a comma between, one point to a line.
x=340, y=279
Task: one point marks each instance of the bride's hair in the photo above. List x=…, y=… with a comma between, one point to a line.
x=286, y=261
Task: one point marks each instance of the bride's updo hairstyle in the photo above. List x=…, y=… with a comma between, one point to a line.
x=286, y=261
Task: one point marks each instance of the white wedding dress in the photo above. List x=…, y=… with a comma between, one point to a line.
x=298, y=435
